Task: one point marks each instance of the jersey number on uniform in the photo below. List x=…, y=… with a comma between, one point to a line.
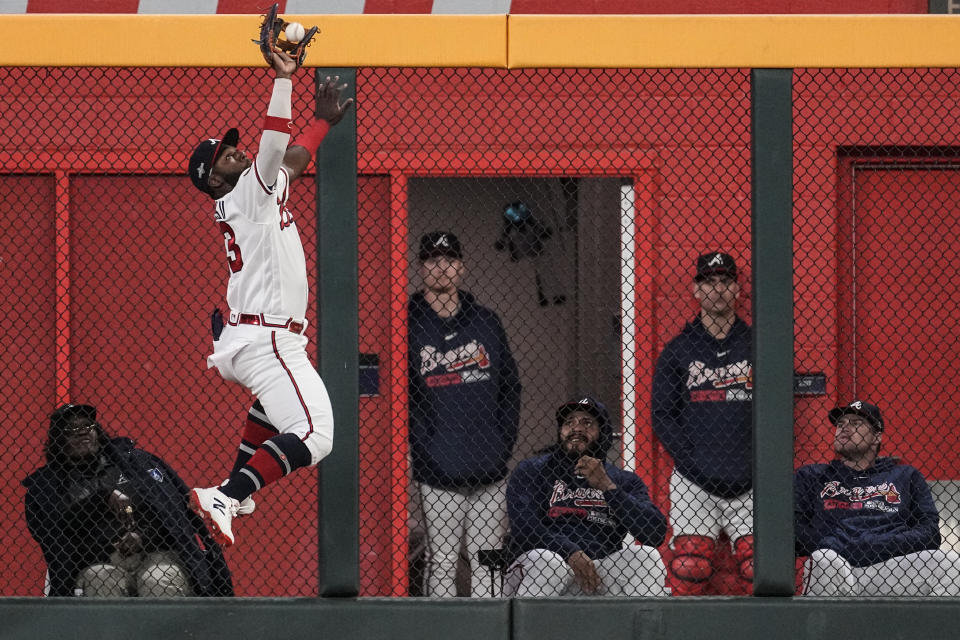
x=234, y=256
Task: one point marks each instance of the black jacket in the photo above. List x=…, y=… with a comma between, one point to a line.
x=67, y=514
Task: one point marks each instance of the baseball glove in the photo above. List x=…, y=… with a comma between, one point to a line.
x=273, y=38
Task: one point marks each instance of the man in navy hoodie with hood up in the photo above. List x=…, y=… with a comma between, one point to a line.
x=702, y=400
x=464, y=415
x=868, y=524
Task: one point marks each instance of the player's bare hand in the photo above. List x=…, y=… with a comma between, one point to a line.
x=584, y=572
x=329, y=107
x=596, y=476
x=283, y=65
x=130, y=544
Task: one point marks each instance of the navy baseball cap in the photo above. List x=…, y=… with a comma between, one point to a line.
x=858, y=407
x=440, y=243
x=715, y=264
x=586, y=404
x=205, y=155
x=598, y=410
x=67, y=412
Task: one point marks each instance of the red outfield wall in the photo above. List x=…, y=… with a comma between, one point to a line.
x=695, y=123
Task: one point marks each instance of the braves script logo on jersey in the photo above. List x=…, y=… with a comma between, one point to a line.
x=860, y=497
x=286, y=218
x=580, y=496
x=588, y=503
x=728, y=383
x=461, y=364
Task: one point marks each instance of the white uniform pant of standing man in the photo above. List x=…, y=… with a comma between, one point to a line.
x=480, y=514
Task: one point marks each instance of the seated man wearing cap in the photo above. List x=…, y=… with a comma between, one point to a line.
x=112, y=519
x=570, y=512
x=869, y=524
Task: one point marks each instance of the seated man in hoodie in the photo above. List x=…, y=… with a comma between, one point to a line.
x=868, y=524
x=570, y=512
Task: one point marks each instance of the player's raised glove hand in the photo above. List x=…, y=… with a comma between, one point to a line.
x=329, y=107
x=273, y=38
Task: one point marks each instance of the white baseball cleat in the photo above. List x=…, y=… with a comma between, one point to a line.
x=247, y=505
x=217, y=511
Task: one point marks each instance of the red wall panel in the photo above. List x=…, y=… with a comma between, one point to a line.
x=28, y=268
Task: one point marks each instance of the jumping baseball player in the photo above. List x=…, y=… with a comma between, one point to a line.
x=868, y=524
x=262, y=345
x=570, y=512
x=701, y=412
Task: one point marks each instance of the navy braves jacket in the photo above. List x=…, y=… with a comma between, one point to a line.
x=702, y=407
x=866, y=516
x=550, y=508
x=464, y=395
x=67, y=514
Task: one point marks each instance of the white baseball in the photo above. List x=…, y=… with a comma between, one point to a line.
x=294, y=32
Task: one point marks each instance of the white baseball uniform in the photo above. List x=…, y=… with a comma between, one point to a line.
x=262, y=345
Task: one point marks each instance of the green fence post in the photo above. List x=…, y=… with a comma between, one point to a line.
x=337, y=335
x=772, y=168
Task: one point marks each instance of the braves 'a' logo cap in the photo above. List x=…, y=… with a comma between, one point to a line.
x=205, y=156
x=858, y=407
x=440, y=243
x=716, y=263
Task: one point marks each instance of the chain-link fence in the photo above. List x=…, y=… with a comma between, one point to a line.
x=555, y=346
x=876, y=193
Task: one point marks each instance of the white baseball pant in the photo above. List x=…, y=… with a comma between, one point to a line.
x=159, y=574
x=695, y=511
x=924, y=573
x=632, y=571
x=273, y=365
x=478, y=514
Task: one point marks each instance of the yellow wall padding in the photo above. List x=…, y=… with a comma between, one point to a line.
x=499, y=41
x=132, y=40
x=775, y=41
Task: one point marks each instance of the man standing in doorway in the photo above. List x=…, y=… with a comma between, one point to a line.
x=464, y=415
x=702, y=408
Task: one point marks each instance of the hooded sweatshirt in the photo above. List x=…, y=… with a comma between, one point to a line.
x=464, y=395
x=550, y=508
x=866, y=516
x=702, y=402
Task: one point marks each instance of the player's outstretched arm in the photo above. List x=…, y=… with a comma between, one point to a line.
x=329, y=111
x=276, y=126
